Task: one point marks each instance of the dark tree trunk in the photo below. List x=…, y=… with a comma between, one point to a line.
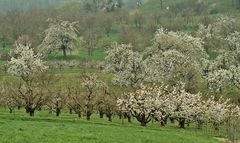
x=129, y=119
x=120, y=116
x=64, y=52
x=109, y=117
x=10, y=110
x=31, y=113
x=101, y=114
x=58, y=111
x=4, y=45
x=143, y=121
x=164, y=122
x=30, y=110
x=216, y=127
x=144, y=124
x=88, y=115
x=70, y=111
x=171, y=119
x=182, y=123
x=79, y=114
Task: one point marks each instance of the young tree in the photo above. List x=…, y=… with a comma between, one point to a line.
x=91, y=84
x=75, y=100
x=106, y=23
x=60, y=35
x=57, y=101
x=138, y=19
x=106, y=103
x=7, y=97
x=90, y=40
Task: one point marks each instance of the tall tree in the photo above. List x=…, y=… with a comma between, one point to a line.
x=60, y=35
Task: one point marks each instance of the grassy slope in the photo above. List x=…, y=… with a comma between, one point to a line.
x=46, y=128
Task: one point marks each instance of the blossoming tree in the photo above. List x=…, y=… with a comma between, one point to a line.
x=28, y=65
x=127, y=65
x=60, y=35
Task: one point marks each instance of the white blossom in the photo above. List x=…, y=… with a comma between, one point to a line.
x=127, y=65
x=25, y=62
x=60, y=35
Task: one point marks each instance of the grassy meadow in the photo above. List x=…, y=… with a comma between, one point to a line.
x=46, y=128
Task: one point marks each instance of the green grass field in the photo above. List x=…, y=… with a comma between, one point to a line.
x=45, y=128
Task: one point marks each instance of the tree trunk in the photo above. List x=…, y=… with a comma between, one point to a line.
x=58, y=111
x=10, y=110
x=101, y=114
x=31, y=112
x=143, y=124
x=143, y=121
x=109, y=117
x=64, y=53
x=4, y=45
x=88, y=115
x=164, y=122
x=129, y=119
x=70, y=111
x=172, y=120
x=120, y=116
x=181, y=123
x=79, y=114
x=216, y=127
